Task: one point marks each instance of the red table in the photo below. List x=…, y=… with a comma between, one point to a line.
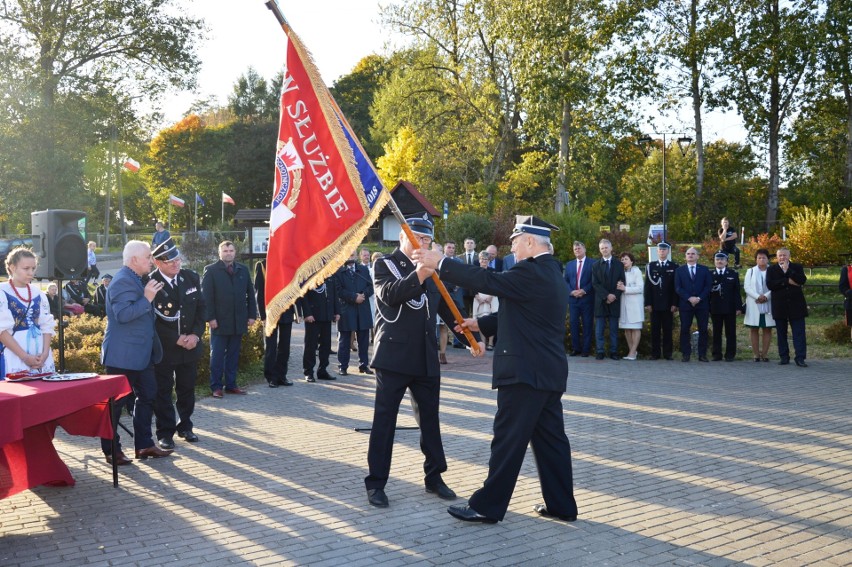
x=29, y=414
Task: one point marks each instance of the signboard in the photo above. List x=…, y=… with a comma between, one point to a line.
x=605, y=228
x=81, y=226
x=655, y=234
x=259, y=239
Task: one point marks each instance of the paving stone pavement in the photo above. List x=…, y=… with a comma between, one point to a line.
x=674, y=464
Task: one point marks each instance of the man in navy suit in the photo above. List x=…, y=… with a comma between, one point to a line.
x=581, y=300
x=131, y=346
x=494, y=262
x=530, y=374
x=692, y=285
x=508, y=262
x=607, y=299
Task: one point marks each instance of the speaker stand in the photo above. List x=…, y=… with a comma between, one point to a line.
x=61, y=330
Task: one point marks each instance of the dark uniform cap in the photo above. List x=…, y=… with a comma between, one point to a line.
x=663, y=245
x=530, y=224
x=167, y=250
x=106, y=277
x=421, y=224
x=720, y=255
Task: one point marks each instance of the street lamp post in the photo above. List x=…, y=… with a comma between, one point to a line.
x=683, y=142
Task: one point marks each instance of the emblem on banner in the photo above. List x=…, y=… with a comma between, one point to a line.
x=288, y=184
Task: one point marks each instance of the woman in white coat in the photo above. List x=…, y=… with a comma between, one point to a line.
x=632, y=317
x=758, y=315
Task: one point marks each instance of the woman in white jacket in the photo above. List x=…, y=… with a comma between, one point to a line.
x=632, y=316
x=758, y=315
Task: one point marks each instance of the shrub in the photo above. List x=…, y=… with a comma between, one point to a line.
x=764, y=240
x=469, y=225
x=573, y=225
x=812, y=236
x=838, y=333
x=621, y=242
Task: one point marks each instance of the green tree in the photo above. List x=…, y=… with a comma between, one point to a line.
x=354, y=94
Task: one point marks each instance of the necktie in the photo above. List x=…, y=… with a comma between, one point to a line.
x=469, y=258
x=692, y=272
x=579, y=271
x=607, y=267
x=230, y=269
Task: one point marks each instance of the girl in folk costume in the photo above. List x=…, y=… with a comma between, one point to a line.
x=26, y=324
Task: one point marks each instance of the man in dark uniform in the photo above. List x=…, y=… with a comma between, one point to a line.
x=725, y=304
x=319, y=308
x=276, y=347
x=354, y=286
x=101, y=291
x=530, y=374
x=785, y=279
x=180, y=323
x=406, y=357
x=692, y=285
x=661, y=301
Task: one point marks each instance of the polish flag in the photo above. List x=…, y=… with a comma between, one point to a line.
x=131, y=164
x=227, y=199
x=176, y=201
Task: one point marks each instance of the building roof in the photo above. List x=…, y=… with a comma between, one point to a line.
x=411, y=201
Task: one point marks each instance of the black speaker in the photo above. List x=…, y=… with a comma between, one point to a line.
x=57, y=242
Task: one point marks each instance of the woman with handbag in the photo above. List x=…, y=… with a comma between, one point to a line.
x=758, y=315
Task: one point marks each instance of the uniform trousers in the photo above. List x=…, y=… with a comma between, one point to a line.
x=180, y=378
x=686, y=316
x=728, y=321
x=799, y=339
x=224, y=358
x=276, y=352
x=527, y=416
x=317, y=334
x=662, y=323
x=581, y=316
x=390, y=388
x=144, y=385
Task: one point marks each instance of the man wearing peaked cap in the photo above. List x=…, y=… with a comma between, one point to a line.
x=405, y=357
x=725, y=304
x=180, y=322
x=661, y=302
x=530, y=372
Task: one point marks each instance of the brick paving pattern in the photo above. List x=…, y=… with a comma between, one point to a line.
x=674, y=464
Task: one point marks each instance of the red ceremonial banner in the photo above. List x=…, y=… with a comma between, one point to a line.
x=320, y=212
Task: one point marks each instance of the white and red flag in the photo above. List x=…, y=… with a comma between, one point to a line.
x=131, y=164
x=227, y=199
x=176, y=201
x=326, y=193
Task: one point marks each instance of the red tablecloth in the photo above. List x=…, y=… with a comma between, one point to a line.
x=29, y=414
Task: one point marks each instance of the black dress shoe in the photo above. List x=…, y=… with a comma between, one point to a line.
x=801, y=363
x=703, y=359
x=166, y=443
x=343, y=371
x=285, y=382
x=655, y=358
x=468, y=514
x=274, y=384
x=669, y=358
x=575, y=353
x=325, y=376
x=310, y=378
x=784, y=361
x=599, y=356
x=365, y=370
x=729, y=360
x=541, y=510
x=442, y=490
x=716, y=359
x=585, y=355
x=614, y=357
x=377, y=497
x=684, y=358
x=188, y=436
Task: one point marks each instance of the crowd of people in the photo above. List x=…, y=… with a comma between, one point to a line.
x=157, y=311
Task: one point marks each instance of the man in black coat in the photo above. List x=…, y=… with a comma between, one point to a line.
x=319, y=308
x=661, y=301
x=406, y=357
x=785, y=279
x=606, y=274
x=354, y=287
x=530, y=374
x=276, y=347
x=725, y=304
x=231, y=310
x=180, y=324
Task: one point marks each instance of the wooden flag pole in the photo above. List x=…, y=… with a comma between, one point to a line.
x=391, y=203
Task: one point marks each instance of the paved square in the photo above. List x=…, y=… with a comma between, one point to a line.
x=674, y=464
